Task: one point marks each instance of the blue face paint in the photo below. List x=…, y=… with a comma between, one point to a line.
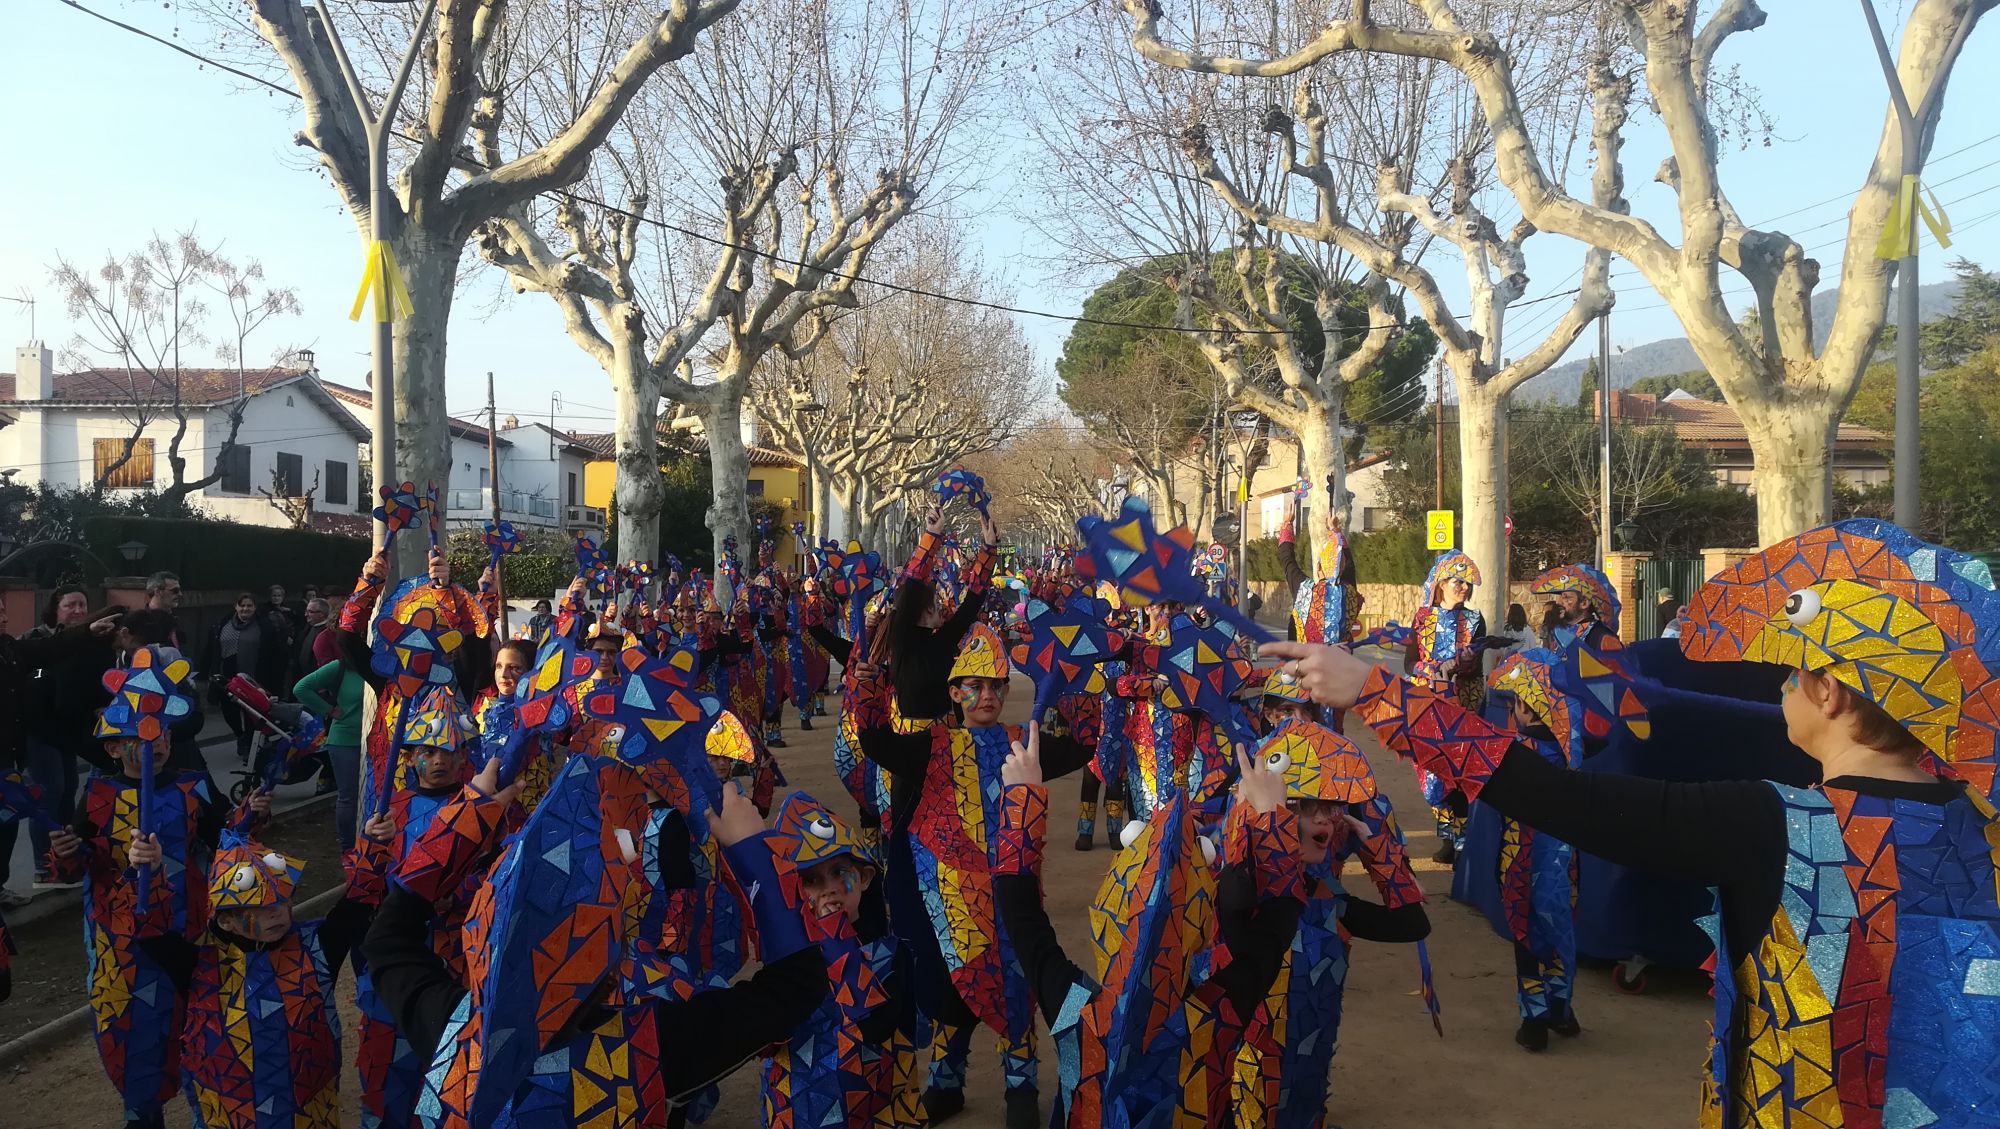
x=1792, y=681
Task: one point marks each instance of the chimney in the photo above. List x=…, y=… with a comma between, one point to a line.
x=34, y=372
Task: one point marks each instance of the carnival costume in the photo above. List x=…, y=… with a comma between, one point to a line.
x=1856, y=922
x=1281, y=1072
x=1441, y=655
x=1589, y=582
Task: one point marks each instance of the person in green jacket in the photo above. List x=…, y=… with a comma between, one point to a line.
x=334, y=694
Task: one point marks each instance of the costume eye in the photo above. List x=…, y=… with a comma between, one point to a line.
x=1277, y=760
x=274, y=862
x=626, y=849
x=243, y=879
x=821, y=827
x=1130, y=833
x=1207, y=849
x=1802, y=606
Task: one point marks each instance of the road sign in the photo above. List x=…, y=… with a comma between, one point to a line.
x=1439, y=526
x=1507, y=526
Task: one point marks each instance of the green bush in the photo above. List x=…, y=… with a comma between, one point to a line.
x=1392, y=556
x=212, y=555
x=1261, y=560
x=543, y=568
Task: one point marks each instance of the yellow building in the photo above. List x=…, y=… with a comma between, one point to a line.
x=777, y=477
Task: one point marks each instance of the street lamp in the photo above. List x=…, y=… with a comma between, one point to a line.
x=132, y=551
x=1627, y=532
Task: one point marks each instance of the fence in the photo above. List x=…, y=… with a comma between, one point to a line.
x=1682, y=577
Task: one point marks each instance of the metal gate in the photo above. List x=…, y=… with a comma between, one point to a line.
x=1681, y=576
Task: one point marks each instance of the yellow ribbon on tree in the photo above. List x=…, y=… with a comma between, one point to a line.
x=382, y=278
x=1899, y=231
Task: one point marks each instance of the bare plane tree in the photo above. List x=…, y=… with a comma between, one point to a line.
x=760, y=181
x=484, y=131
x=1789, y=393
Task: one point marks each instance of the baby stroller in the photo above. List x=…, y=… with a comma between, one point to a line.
x=279, y=726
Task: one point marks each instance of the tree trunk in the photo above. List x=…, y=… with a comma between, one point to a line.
x=635, y=432
x=848, y=494
x=1483, y=491
x=1324, y=457
x=729, y=476
x=423, y=442
x=1793, y=472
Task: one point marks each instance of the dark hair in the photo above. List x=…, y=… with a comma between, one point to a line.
x=159, y=580
x=1874, y=727
x=148, y=627
x=351, y=650
x=1517, y=617
x=914, y=597
x=56, y=599
x=242, y=596
x=526, y=648
x=542, y=605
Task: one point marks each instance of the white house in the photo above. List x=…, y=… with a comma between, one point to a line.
x=69, y=429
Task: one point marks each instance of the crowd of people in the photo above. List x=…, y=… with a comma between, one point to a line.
x=575, y=895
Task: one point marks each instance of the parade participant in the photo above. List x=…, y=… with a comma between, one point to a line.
x=1326, y=608
x=263, y=1036
x=1284, y=700
x=1538, y=870
x=1441, y=655
x=853, y=1062
x=1853, y=919
x=1586, y=607
x=512, y=660
x=554, y=1051
x=136, y=1011
x=1148, y=1041
x=1282, y=1070
x=806, y=662
x=944, y=803
x=924, y=630
x=391, y=1070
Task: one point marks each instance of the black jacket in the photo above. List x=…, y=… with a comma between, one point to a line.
x=21, y=660
x=273, y=657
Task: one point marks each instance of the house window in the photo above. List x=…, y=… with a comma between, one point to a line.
x=572, y=488
x=136, y=474
x=1371, y=519
x=1271, y=515
x=365, y=479
x=756, y=488
x=336, y=482
x=234, y=464
x=291, y=477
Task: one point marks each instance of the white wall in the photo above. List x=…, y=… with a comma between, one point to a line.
x=285, y=420
x=537, y=464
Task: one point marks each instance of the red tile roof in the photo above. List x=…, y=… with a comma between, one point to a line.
x=1710, y=424
x=602, y=444
x=200, y=387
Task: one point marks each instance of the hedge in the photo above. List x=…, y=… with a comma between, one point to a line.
x=211, y=555
x=1389, y=556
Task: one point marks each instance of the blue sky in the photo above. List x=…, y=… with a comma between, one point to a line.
x=111, y=137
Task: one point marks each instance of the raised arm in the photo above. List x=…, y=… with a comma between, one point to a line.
x=1017, y=891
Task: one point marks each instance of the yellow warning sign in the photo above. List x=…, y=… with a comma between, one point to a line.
x=1440, y=527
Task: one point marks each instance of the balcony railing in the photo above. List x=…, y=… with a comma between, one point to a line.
x=514, y=502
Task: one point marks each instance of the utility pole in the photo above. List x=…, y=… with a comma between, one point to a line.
x=1603, y=438
x=1908, y=205
x=378, y=124
x=1439, y=429
x=493, y=475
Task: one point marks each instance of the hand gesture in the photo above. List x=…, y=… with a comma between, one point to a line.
x=259, y=804
x=738, y=820
x=107, y=623
x=376, y=569
x=576, y=589
x=1024, y=764
x=379, y=828
x=988, y=530
x=145, y=851
x=487, y=783
x=1257, y=785
x=439, y=568
x=1332, y=675
x=866, y=671
x=488, y=578
x=934, y=519
x=64, y=843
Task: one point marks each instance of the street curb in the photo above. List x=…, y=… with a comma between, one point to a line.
x=67, y=1025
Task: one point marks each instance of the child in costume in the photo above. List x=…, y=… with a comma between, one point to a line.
x=435, y=754
x=1441, y=655
x=136, y=1010
x=1281, y=1073
x=263, y=1036
x=1149, y=1046
x=1854, y=921
x=1538, y=870
x=853, y=1062
x=944, y=782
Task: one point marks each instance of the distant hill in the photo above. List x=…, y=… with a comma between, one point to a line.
x=1674, y=354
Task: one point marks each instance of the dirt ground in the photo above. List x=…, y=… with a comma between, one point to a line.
x=1636, y=1066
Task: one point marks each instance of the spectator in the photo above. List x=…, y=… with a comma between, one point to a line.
x=287, y=624
x=1254, y=604
x=20, y=661
x=307, y=647
x=542, y=622
x=1666, y=614
x=63, y=700
x=244, y=643
x=163, y=594
x=333, y=693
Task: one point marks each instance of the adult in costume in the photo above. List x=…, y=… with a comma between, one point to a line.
x=1855, y=922
x=1441, y=655
x=1585, y=607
